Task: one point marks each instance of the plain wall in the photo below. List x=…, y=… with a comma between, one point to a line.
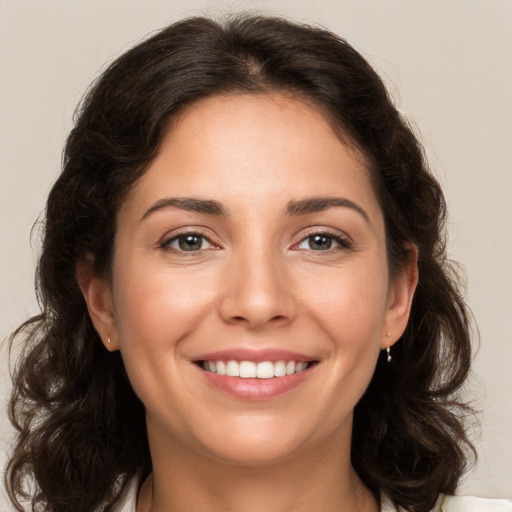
x=448, y=63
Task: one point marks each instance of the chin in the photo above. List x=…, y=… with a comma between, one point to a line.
x=253, y=452
x=265, y=440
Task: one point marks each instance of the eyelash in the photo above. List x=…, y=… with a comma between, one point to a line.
x=166, y=243
x=343, y=242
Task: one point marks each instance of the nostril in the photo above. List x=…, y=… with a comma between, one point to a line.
x=256, y=302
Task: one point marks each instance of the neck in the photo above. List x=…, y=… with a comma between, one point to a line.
x=322, y=480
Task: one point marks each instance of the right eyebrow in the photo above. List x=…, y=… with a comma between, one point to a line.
x=191, y=204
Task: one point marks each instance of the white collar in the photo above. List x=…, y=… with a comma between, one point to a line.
x=128, y=502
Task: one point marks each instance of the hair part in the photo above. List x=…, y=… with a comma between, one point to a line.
x=81, y=428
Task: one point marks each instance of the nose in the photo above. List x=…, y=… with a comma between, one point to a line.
x=257, y=293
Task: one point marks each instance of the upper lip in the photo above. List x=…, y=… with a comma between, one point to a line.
x=255, y=355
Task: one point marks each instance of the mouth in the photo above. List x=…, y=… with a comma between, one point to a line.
x=255, y=376
x=255, y=369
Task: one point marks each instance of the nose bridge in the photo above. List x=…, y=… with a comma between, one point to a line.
x=257, y=291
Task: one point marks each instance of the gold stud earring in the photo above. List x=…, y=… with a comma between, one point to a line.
x=388, y=350
x=108, y=341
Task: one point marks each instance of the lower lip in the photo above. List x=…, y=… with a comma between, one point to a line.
x=256, y=389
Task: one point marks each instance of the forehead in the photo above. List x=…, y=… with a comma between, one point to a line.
x=243, y=146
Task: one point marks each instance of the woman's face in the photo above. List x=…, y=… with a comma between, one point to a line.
x=254, y=243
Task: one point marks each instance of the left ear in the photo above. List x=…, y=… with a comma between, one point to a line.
x=399, y=301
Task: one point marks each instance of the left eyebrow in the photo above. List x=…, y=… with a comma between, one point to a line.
x=318, y=204
x=191, y=204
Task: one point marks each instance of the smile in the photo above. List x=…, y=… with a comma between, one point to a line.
x=255, y=374
x=255, y=370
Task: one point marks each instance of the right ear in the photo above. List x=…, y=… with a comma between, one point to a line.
x=97, y=293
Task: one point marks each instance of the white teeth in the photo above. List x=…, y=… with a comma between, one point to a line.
x=247, y=369
x=280, y=369
x=290, y=367
x=251, y=370
x=299, y=367
x=221, y=367
x=232, y=369
x=265, y=370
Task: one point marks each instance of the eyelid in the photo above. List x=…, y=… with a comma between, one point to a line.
x=169, y=237
x=339, y=236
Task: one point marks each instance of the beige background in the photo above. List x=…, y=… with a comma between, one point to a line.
x=448, y=63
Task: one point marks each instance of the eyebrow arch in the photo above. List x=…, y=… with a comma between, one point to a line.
x=191, y=204
x=317, y=204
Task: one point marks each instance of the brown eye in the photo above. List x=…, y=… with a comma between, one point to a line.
x=319, y=242
x=188, y=242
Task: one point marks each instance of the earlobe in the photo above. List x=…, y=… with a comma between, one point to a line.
x=400, y=296
x=97, y=293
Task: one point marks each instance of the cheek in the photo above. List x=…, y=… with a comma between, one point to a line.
x=351, y=315
x=156, y=311
x=156, y=307
x=350, y=303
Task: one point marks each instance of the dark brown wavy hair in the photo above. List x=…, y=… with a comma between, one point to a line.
x=81, y=429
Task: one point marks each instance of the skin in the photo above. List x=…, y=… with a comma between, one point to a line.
x=257, y=283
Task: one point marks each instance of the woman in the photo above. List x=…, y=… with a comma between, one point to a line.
x=245, y=299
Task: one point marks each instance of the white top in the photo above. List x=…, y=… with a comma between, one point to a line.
x=457, y=504
x=128, y=503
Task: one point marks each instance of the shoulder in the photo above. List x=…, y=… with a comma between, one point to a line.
x=459, y=504
x=472, y=504
x=128, y=500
